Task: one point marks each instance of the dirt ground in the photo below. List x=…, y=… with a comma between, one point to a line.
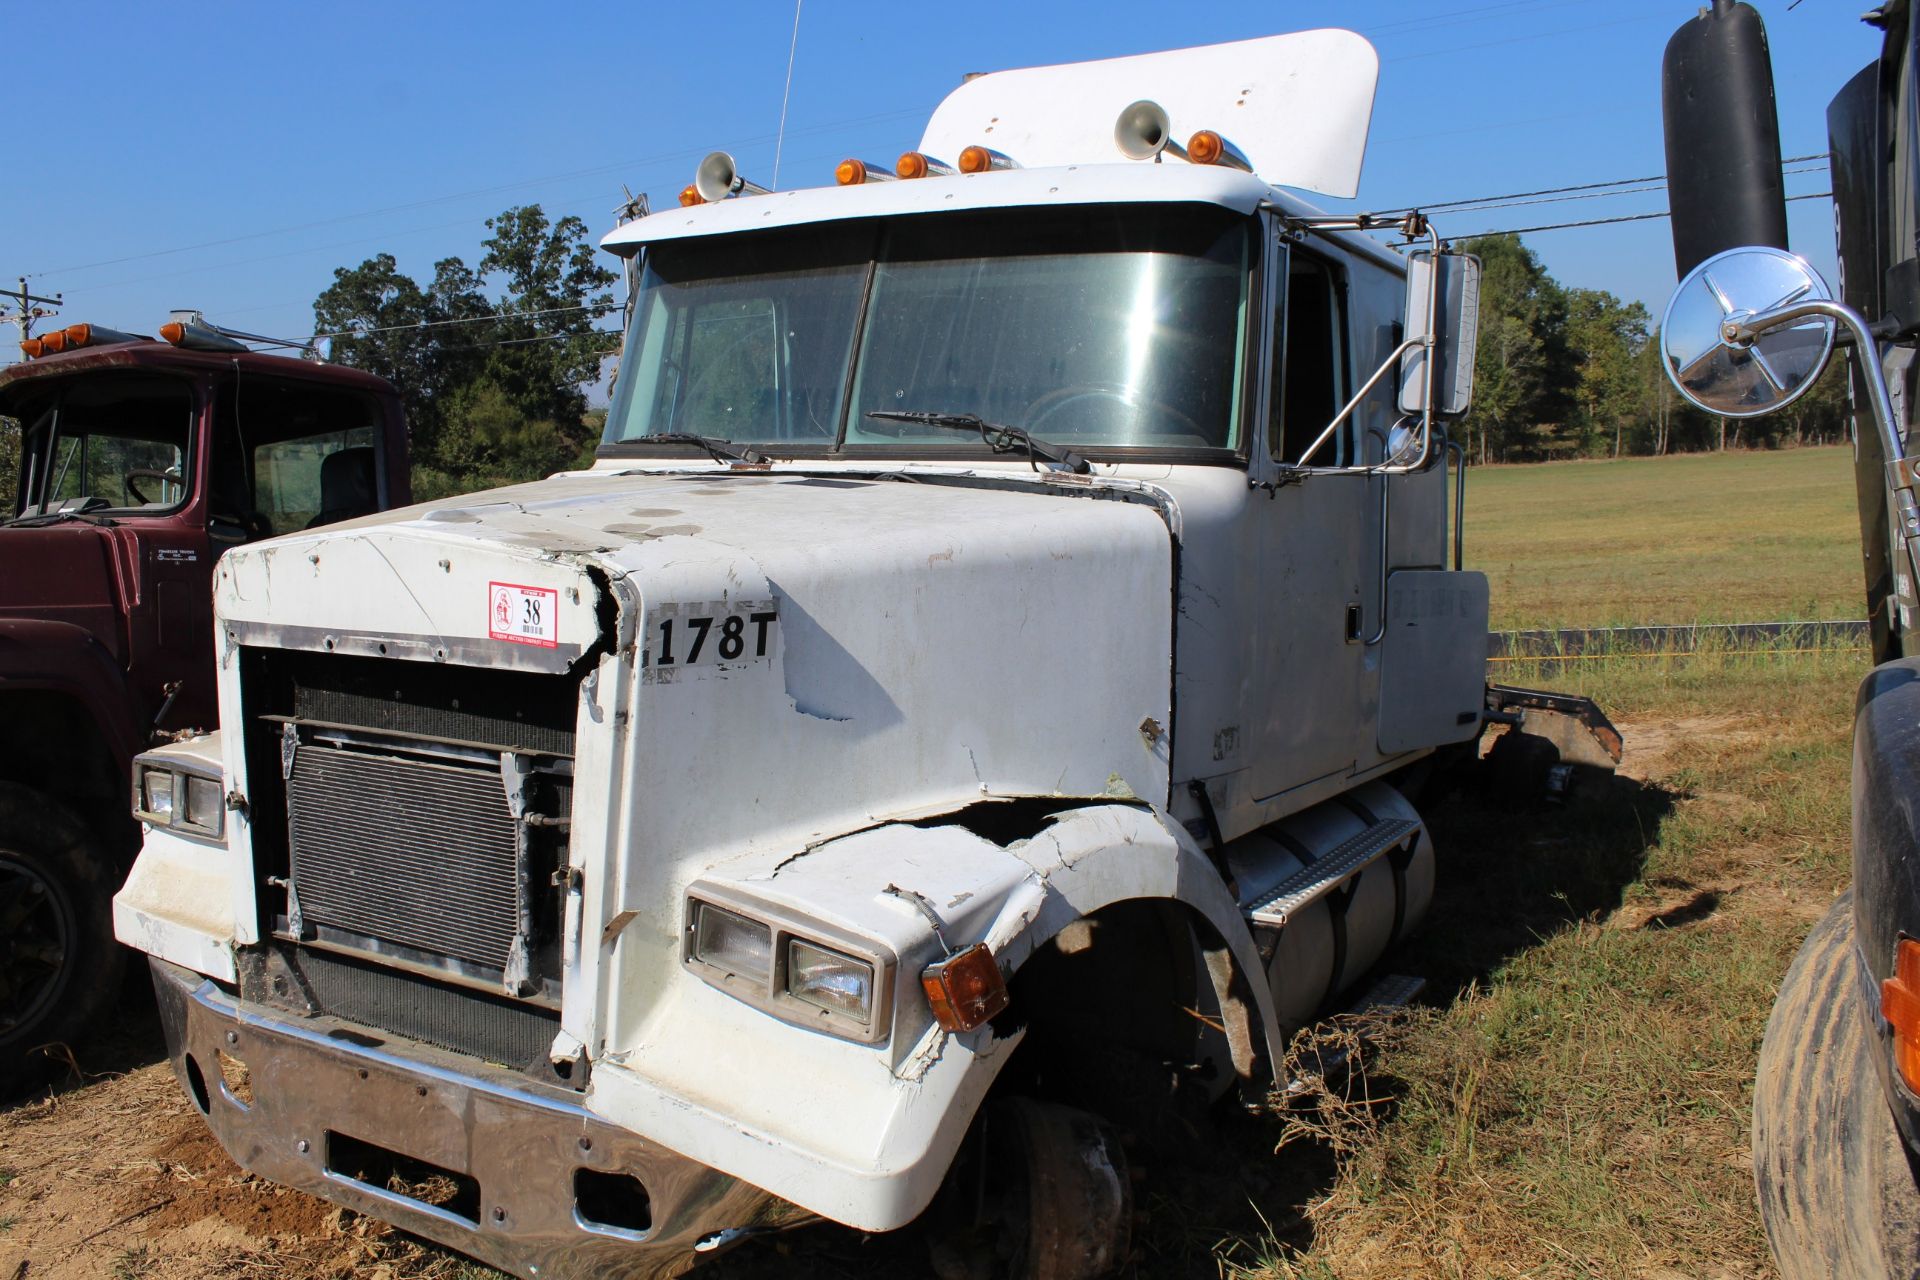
x=112, y=1176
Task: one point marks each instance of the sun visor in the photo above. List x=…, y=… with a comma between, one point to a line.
x=1296, y=106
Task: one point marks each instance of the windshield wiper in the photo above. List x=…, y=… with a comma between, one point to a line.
x=56, y=517
x=722, y=450
x=997, y=437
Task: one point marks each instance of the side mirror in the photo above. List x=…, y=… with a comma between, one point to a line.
x=1725, y=370
x=1456, y=319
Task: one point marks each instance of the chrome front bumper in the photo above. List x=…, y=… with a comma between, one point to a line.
x=523, y=1176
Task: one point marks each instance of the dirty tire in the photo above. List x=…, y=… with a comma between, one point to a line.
x=1075, y=1219
x=59, y=964
x=1837, y=1194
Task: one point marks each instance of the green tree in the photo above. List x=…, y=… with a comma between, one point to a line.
x=494, y=386
x=1604, y=340
x=1522, y=372
x=548, y=344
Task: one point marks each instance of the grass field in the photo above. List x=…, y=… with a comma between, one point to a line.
x=1733, y=537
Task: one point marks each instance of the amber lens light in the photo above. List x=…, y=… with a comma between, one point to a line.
x=836, y=983
x=173, y=331
x=32, y=348
x=912, y=165
x=732, y=942
x=1900, y=1005
x=976, y=160
x=54, y=342
x=850, y=172
x=689, y=197
x=1206, y=147
x=965, y=989
x=79, y=335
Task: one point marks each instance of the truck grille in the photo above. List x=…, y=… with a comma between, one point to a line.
x=413, y=814
x=408, y=851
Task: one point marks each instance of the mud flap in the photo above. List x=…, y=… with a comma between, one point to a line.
x=1550, y=740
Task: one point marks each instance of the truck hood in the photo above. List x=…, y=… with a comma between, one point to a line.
x=900, y=646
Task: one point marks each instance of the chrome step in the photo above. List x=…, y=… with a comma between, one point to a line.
x=1315, y=881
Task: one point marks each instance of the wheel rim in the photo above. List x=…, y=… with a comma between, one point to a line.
x=36, y=931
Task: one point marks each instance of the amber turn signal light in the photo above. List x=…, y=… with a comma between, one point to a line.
x=1900, y=1005
x=965, y=989
x=690, y=196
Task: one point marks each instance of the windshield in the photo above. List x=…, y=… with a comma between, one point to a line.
x=114, y=441
x=1100, y=327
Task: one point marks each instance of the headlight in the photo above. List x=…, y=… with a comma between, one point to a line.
x=205, y=804
x=156, y=790
x=836, y=983
x=178, y=799
x=731, y=942
x=810, y=972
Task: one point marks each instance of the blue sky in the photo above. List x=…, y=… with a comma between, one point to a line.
x=228, y=156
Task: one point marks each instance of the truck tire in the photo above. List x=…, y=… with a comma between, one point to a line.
x=59, y=964
x=1837, y=1193
x=1047, y=1196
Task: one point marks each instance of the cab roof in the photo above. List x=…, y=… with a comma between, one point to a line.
x=163, y=355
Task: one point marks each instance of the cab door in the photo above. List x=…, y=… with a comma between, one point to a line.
x=1316, y=543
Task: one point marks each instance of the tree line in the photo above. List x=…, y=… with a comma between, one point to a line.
x=1564, y=372
x=494, y=384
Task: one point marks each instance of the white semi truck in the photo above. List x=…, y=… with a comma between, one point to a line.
x=978, y=664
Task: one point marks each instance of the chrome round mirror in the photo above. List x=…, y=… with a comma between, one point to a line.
x=1745, y=380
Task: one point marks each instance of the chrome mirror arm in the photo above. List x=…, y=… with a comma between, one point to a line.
x=1902, y=476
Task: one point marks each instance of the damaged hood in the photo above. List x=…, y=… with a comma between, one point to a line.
x=832, y=649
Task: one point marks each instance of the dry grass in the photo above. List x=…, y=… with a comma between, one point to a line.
x=1576, y=1101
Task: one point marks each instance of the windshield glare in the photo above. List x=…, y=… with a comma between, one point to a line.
x=1104, y=326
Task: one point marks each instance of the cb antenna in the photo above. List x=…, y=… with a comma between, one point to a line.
x=781, y=137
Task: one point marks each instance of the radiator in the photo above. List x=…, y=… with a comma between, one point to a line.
x=406, y=850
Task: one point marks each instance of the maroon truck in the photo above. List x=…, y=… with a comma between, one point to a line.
x=140, y=462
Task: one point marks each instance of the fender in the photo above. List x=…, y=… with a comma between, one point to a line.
x=739, y=1089
x=67, y=659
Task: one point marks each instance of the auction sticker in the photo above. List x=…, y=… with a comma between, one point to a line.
x=524, y=615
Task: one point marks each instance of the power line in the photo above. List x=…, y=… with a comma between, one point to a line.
x=1602, y=222
x=1468, y=204
x=477, y=319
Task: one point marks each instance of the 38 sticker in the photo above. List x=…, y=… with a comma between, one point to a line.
x=700, y=637
x=524, y=615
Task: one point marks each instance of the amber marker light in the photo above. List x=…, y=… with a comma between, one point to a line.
x=32, y=348
x=54, y=343
x=690, y=196
x=1900, y=1005
x=918, y=164
x=850, y=172
x=173, y=331
x=1206, y=147
x=979, y=159
x=965, y=989
x=79, y=335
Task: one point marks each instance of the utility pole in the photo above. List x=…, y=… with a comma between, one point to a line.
x=27, y=307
